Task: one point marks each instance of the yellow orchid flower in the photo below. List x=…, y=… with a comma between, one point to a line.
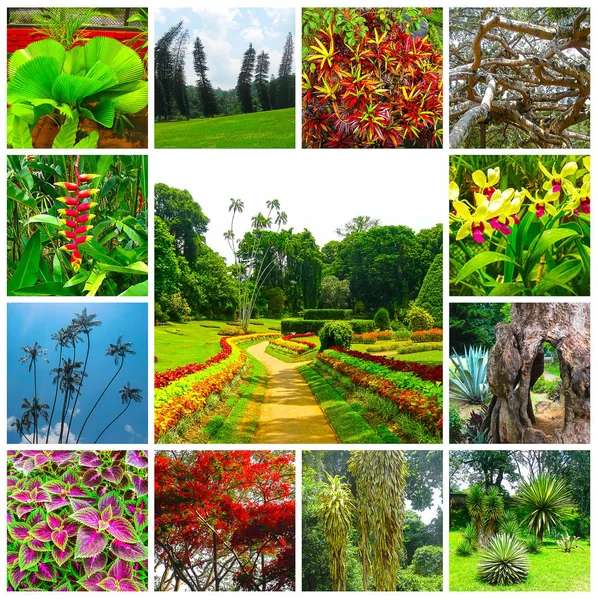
x=556, y=179
x=475, y=224
x=540, y=206
x=487, y=182
x=579, y=200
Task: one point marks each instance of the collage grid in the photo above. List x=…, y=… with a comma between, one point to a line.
x=243, y=428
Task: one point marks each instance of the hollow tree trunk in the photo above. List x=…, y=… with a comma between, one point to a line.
x=517, y=361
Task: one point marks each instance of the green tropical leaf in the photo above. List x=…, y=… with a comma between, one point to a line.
x=74, y=89
x=124, y=60
x=560, y=275
x=131, y=102
x=139, y=289
x=75, y=61
x=49, y=288
x=103, y=113
x=93, y=283
x=508, y=289
x=48, y=47
x=49, y=220
x=137, y=268
x=479, y=261
x=33, y=80
x=546, y=240
x=89, y=141
x=26, y=273
x=21, y=135
x=68, y=133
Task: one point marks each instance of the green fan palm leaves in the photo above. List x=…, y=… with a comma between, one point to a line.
x=546, y=500
x=336, y=507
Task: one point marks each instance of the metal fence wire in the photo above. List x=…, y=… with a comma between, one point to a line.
x=107, y=17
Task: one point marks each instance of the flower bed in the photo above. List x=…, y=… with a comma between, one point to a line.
x=433, y=374
x=418, y=403
x=290, y=347
x=296, y=337
x=371, y=337
x=431, y=335
x=187, y=393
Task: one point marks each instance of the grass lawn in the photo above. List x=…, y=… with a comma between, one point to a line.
x=431, y=357
x=270, y=129
x=178, y=344
x=550, y=571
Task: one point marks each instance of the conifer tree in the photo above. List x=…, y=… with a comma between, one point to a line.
x=245, y=79
x=207, y=98
x=262, y=68
x=286, y=79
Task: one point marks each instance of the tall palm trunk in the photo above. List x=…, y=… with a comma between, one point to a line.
x=122, y=362
x=80, y=384
x=55, y=398
x=120, y=414
x=35, y=433
x=63, y=416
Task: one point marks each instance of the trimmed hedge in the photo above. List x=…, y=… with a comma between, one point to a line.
x=431, y=335
x=430, y=293
x=300, y=326
x=327, y=314
x=362, y=325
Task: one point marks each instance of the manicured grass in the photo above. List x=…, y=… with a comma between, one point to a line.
x=550, y=571
x=178, y=344
x=431, y=357
x=350, y=427
x=270, y=129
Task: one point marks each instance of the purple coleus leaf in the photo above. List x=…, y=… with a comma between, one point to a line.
x=140, y=485
x=89, y=543
x=55, y=487
x=54, y=522
x=21, y=496
x=137, y=458
x=90, y=459
x=88, y=516
x=12, y=558
x=92, y=478
x=120, y=578
x=61, y=556
x=19, y=532
x=23, y=509
x=94, y=563
x=112, y=474
x=60, y=538
x=56, y=503
x=92, y=583
x=16, y=576
x=46, y=571
x=62, y=456
x=41, y=532
x=113, y=502
x=129, y=552
x=28, y=557
x=122, y=530
x=38, y=545
x=79, y=503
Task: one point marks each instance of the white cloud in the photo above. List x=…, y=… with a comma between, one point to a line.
x=218, y=20
x=280, y=15
x=253, y=34
x=159, y=16
x=55, y=432
x=9, y=421
x=129, y=428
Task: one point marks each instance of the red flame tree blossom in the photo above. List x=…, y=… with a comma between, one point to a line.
x=225, y=520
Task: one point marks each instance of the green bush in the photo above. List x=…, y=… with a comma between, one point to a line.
x=533, y=544
x=409, y=581
x=335, y=333
x=159, y=315
x=178, y=309
x=300, y=326
x=464, y=548
x=455, y=425
x=419, y=318
x=414, y=348
x=362, y=325
x=545, y=386
x=401, y=334
x=327, y=314
x=231, y=330
x=430, y=293
x=504, y=562
x=427, y=561
x=395, y=325
x=382, y=319
x=359, y=308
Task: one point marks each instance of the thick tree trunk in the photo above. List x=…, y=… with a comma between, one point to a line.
x=516, y=362
x=462, y=128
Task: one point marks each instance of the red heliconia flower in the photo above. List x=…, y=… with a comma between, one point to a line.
x=76, y=215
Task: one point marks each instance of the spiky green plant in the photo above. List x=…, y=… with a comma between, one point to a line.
x=380, y=479
x=467, y=380
x=511, y=528
x=568, y=542
x=504, y=561
x=494, y=507
x=475, y=508
x=336, y=507
x=546, y=501
x=470, y=535
x=533, y=544
x=464, y=548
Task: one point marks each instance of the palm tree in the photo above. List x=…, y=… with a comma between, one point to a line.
x=85, y=322
x=118, y=350
x=63, y=340
x=127, y=395
x=33, y=412
x=546, y=500
x=34, y=353
x=22, y=426
x=69, y=377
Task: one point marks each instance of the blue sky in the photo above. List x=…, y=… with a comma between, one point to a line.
x=226, y=33
x=31, y=322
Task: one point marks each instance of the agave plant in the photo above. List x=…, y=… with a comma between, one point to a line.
x=468, y=376
x=504, y=561
x=96, y=81
x=464, y=548
x=546, y=500
x=533, y=545
x=568, y=542
x=470, y=535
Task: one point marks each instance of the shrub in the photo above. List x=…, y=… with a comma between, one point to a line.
x=364, y=338
x=160, y=316
x=327, y=314
x=470, y=535
x=568, y=543
x=430, y=293
x=419, y=318
x=178, y=309
x=362, y=325
x=545, y=386
x=395, y=325
x=455, y=425
x=300, y=326
x=427, y=561
x=335, y=333
x=533, y=544
x=231, y=330
x=504, y=561
x=402, y=334
x=383, y=335
x=359, y=308
x=468, y=376
x=431, y=335
x=409, y=581
x=464, y=548
x=381, y=319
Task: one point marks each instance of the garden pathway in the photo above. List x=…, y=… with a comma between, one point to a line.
x=290, y=413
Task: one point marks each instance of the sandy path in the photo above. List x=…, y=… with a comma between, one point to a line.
x=290, y=413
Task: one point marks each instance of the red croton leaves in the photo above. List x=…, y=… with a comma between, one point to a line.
x=384, y=90
x=232, y=507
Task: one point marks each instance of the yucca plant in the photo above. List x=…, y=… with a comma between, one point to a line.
x=568, y=542
x=510, y=528
x=504, y=561
x=470, y=535
x=336, y=507
x=533, y=544
x=380, y=478
x=464, y=548
x=493, y=510
x=93, y=81
x=546, y=500
x=468, y=376
x=475, y=508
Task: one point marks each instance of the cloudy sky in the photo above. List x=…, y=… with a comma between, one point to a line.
x=319, y=190
x=31, y=322
x=226, y=33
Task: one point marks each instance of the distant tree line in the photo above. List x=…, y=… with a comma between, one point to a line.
x=255, y=91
